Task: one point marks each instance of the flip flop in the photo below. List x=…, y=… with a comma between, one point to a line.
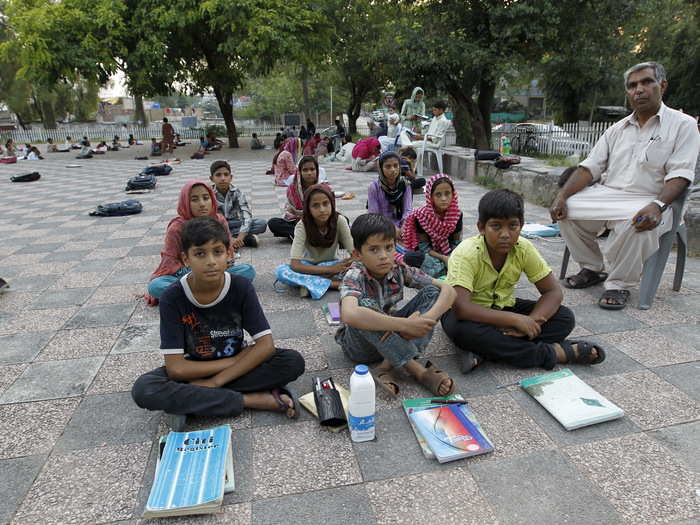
x=619, y=296
x=283, y=407
x=434, y=378
x=469, y=361
x=583, y=353
x=3, y=285
x=386, y=379
x=584, y=279
x=348, y=196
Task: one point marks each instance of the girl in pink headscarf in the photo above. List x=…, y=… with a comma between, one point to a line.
x=432, y=231
x=285, y=166
x=196, y=200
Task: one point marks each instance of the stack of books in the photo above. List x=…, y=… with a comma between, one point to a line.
x=446, y=428
x=193, y=472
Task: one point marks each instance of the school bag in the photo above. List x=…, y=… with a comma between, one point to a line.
x=141, y=182
x=26, y=177
x=486, y=154
x=8, y=160
x=117, y=209
x=506, y=161
x=159, y=170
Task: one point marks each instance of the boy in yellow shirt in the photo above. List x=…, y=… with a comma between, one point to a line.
x=486, y=321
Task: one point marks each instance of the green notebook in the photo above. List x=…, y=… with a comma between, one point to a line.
x=571, y=401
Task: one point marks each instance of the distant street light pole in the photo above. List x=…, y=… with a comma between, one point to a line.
x=332, y=119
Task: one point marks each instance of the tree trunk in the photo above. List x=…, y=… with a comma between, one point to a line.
x=139, y=111
x=487, y=89
x=48, y=116
x=570, y=107
x=305, y=90
x=354, y=110
x=223, y=97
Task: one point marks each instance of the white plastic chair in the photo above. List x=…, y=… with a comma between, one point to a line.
x=654, y=266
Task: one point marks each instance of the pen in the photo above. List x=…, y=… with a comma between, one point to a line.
x=449, y=401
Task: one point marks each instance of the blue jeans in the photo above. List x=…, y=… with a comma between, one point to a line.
x=158, y=285
x=365, y=346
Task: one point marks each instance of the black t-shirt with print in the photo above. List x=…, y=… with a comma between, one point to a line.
x=215, y=330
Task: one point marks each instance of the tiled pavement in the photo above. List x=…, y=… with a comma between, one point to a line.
x=74, y=335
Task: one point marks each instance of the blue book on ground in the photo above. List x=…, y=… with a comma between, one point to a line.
x=190, y=477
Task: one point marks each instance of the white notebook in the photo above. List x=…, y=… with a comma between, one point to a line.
x=571, y=401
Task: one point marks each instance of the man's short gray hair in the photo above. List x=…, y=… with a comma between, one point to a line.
x=659, y=71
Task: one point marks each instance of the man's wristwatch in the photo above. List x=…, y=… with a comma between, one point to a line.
x=660, y=204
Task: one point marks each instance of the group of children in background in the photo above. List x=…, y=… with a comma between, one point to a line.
x=207, y=302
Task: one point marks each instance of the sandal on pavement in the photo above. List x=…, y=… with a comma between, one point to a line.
x=433, y=378
x=387, y=381
x=469, y=361
x=614, y=299
x=584, y=279
x=583, y=353
x=277, y=393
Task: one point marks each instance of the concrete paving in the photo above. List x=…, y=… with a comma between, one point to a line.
x=75, y=334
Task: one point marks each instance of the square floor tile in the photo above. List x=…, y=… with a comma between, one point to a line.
x=82, y=342
x=34, y=427
x=346, y=505
x=310, y=348
x=36, y=320
x=54, y=499
x=594, y=318
x=125, y=293
x=109, y=419
x=291, y=323
x=436, y=497
x=641, y=479
x=64, y=297
x=649, y=401
x=22, y=347
x=138, y=338
x=129, y=277
x=101, y=315
x=11, y=301
x=32, y=284
x=302, y=457
x=119, y=372
x=9, y=374
x=53, y=380
x=40, y=248
x=17, y=476
x=515, y=486
x=77, y=255
x=651, y=347
x=238, y=514
x=682, y=441
x=684, y=376
x=76, y=279
x=152, y=249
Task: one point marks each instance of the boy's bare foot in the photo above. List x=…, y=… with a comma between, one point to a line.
x=276, y=401
x=435, y=380
x=579, y=352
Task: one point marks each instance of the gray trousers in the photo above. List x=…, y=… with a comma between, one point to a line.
x=256, y=226
x=156, y=391
x=365, y=346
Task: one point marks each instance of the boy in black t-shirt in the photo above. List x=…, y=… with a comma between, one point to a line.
x=208, y=370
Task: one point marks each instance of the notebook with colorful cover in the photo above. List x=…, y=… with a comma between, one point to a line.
x=190, y=478
x=446, y=432
x=571, y=401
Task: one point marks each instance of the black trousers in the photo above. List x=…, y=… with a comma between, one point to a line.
x=156, y=391
x=488, y=342
x=282, y=227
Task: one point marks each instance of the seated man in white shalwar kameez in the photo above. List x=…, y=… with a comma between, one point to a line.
x=636, y=169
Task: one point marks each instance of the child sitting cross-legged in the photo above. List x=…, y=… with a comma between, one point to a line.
x=432, y=231
x=315, y=267
x=196, y=200
x=374, y=329
x=209, y=370
x=487, y=321
x=233, y=205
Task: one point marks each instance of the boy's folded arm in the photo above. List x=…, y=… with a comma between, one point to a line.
x=246, y=360
x=444, y=301
x=466, y=310
x=352, y=314
x=550, y=299
x=181, y=369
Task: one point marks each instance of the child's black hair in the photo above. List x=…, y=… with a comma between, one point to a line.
x=219, y=164
x=201, y=230
x=440, y=104
x=565, y=175
x=501, y=204
x=371, y=224
x=409, y=153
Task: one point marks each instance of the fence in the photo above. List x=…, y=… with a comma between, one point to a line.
x=547, y=139
x=108, y=131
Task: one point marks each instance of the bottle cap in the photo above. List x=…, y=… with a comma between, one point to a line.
x=361, y=369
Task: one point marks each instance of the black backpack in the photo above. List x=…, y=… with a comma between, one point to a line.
x=27, y=177
x=117, y=209
x=486, y=154
x=141, y=182
x=158, y=171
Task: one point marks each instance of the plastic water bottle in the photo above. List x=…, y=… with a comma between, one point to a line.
x=361, y=409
